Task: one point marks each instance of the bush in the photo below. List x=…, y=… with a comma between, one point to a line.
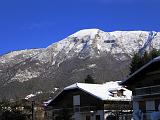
x=12, y=115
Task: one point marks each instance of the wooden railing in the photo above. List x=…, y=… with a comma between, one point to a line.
x=150, y=90
x=85, y=108
x=77, y=109
x=57, y=111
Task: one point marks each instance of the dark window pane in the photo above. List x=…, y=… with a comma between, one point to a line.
x=88, y=117
x=97, y=117
x=142, y=106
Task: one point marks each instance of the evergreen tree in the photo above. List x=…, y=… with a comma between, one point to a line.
x=154, y=53
x=135, y=63
x=89, y=79
x=139, y=60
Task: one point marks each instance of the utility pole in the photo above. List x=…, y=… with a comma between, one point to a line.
x=33, y=103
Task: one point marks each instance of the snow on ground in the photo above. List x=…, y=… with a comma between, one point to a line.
x=24, y=75
x=24, y=55
x=33, y=95
x=92, y=65
x=29, y=96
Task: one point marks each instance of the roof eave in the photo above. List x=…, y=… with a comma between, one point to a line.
x=136, y=72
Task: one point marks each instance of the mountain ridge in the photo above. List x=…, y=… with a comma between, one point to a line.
x=89, y=51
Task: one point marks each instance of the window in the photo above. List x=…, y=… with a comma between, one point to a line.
x=88, y=117
x=98, y=117
x=76, y=100
x=150, y=105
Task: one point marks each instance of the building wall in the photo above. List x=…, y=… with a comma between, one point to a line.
x=65, y=99
x=92, y=115
x=145, y=99
x=88, y=106
x=152, y=79
x=79, y=108
x=135, y=105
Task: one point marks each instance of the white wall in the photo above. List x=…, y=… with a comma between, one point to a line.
x=101, y=113
x=150, y=105
x=77, y=116
x=135, y=105
x=76, y=100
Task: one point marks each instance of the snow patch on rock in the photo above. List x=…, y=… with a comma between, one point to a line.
x=92, y=66
x=24, y=75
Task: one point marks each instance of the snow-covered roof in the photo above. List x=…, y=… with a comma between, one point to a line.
x=102, y=91
x=143, y=67
x=47, y=102
x=157, y=58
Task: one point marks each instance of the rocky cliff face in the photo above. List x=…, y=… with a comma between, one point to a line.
x=104, y=55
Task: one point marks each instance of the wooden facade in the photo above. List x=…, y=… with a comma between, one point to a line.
x=88, y=107
x=145, y=86
x=85, y=99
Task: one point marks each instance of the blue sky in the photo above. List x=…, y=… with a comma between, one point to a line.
x=39, y=23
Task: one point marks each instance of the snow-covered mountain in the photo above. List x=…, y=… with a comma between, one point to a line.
x=104, y=55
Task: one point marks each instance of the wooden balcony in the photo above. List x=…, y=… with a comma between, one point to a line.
x=85, y=109
x=58, y=111
x=77, y=109
x=150, y=90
